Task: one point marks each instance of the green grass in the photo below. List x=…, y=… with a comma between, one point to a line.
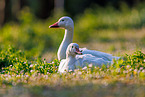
x=25, y=70
x=37, y=77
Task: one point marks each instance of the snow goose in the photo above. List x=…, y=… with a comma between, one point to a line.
x=67, y=24
x=74, y=60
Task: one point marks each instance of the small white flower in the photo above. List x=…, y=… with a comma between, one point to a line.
x=75, y=70
x=90, y=65
x=48, y=73
x=128, y=66
x=5, y=75
x=84, y=68
x=70, y=70
x=52, y=62
x=125, y=71
x=3, y=71
x=21, y=71
x=31, y=70
x=9, y=76
x=130, y=69
x=79, y=72
x=135, y=70
x=27, y=75
x=18, y=76
x=6, y=78
x=31, y=65
x=141, y=68
x=39, y=74
x=74, y=73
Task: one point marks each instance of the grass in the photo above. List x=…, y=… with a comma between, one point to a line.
x=39, y=78
x=115, y=89
x=25, y=70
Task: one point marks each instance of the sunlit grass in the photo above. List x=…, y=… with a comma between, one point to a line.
x=38, y=76
x=29, y=67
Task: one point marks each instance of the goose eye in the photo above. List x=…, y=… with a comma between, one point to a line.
x=62, y=20
x=72, y=46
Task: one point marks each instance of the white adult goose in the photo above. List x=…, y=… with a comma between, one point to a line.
x=67, y=24
x=74, y=61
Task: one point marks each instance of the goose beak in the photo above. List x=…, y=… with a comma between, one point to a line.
x=78, y=52
x=55, y=25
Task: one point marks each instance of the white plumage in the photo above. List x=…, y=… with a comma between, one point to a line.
x=75, y=61
x=67, y=24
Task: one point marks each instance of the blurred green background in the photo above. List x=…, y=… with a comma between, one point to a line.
x=112, y=26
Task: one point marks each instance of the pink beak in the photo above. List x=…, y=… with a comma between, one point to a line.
x=55, y=25
x=78, y=51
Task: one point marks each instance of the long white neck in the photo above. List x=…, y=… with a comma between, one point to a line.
x=70, y=62
x=61, y=54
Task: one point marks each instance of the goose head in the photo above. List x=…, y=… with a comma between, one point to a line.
x=64, y=23
x=73, y=50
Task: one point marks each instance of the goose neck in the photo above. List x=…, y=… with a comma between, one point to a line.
x=70, y=60
x=68, y=35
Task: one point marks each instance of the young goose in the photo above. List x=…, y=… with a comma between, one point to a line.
x=75, y=60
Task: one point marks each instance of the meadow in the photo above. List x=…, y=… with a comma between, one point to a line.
x=28, y=62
